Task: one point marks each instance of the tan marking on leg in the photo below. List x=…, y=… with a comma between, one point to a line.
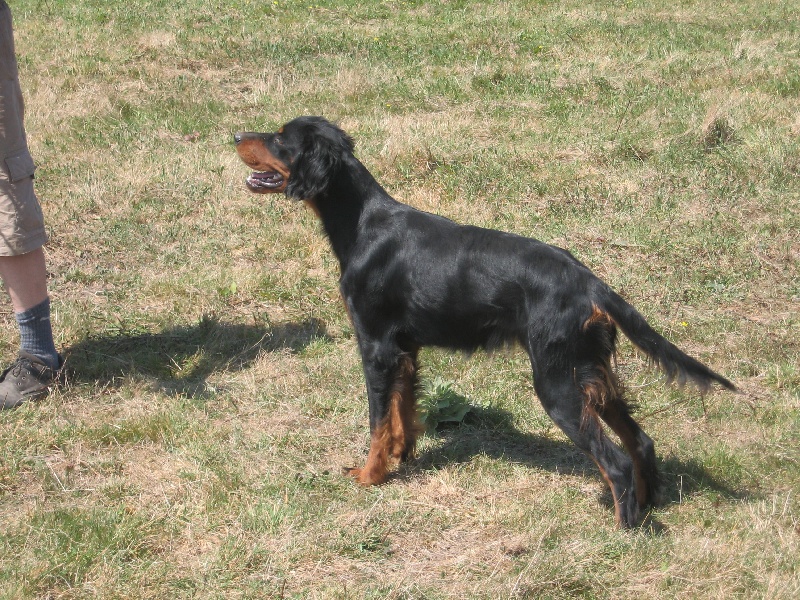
x=395, y=438
x=617, y=505
x=589, y=413
x=403, y=411
x=627, y=436
x=376, y=469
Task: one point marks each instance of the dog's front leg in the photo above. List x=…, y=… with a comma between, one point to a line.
x=390, y=375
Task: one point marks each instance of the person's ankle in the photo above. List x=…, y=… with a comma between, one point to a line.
x=36, y=333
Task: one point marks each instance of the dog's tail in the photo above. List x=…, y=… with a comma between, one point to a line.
x=676, y=364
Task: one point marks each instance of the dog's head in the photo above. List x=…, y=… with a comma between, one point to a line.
x=299, y=159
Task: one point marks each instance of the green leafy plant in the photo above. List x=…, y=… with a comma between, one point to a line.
x=440, y=403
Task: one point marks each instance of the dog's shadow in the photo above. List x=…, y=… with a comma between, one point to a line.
x=490, y=431
x=179, y=361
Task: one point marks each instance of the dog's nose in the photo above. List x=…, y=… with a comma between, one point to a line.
x=237, y=137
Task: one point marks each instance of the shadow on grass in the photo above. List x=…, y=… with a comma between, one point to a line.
x=180, y=360
x=491, y=432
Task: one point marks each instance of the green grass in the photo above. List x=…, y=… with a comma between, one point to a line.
x=215, y=388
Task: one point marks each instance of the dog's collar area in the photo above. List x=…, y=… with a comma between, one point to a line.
x=265, y=180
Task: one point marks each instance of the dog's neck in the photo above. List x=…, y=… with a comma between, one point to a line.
x=351, y=195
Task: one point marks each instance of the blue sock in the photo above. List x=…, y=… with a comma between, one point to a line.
x=36, y=333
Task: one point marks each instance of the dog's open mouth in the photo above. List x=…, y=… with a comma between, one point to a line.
x=265, y=181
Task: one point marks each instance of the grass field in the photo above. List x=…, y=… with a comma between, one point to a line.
x=215, y=389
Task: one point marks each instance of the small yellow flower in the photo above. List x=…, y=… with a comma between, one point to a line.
x=684, y=324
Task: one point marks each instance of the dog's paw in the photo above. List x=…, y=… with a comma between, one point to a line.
x=363, y=476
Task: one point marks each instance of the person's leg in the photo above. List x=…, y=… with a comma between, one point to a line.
x=32, y=374
x=25, y=279
x=22, y=234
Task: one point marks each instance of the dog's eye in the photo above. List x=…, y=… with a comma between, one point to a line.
x=279, y=140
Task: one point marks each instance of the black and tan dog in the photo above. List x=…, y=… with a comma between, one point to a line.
x=411, y=279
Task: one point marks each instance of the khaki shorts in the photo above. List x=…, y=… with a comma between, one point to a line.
x=21, y=222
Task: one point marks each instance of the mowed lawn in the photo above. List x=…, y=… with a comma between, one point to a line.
x=214, y=388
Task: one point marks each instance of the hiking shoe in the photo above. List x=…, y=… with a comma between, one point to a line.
x=27, y=379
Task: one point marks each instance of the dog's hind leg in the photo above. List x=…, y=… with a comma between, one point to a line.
x=391, y=377
x=640, y=448
x=566, y=403
x=603, y=397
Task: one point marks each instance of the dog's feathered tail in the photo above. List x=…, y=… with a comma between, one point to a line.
x=676, y=364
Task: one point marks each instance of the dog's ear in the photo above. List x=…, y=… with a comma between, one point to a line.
x=324, y=148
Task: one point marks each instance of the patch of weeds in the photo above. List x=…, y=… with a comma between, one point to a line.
x=717, y=132
x=439, y=403
x=632, y=152
x=372, y=541
x=228, y=291
x=118, y=490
